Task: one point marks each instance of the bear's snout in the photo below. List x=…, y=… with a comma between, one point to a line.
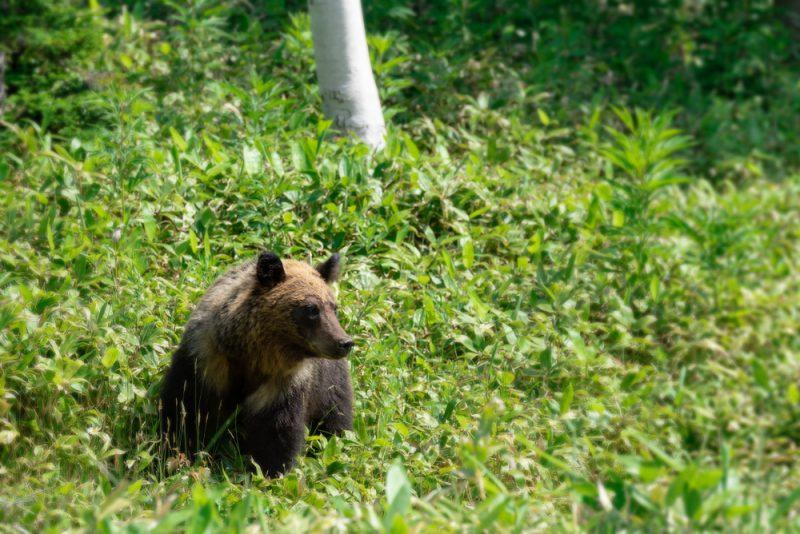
x=344, y=346
x=334, y=347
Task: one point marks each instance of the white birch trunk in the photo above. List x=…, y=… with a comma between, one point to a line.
x=349, y=94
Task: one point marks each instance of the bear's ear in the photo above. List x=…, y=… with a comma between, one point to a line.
x=329, y=270
x=269, y=269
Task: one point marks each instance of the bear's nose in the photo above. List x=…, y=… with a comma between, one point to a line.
x=345, y=345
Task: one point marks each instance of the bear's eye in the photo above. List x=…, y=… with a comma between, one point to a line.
x=311, y=311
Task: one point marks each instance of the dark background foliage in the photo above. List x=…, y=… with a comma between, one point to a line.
x=730, y=66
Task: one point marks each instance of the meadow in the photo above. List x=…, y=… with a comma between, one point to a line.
x=572, y=275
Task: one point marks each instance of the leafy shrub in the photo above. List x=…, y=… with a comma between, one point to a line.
x=566, y=319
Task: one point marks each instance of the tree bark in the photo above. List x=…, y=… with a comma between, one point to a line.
x=347, y=86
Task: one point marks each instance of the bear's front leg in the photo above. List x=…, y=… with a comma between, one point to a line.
x=334, y=403
x=178, y=405
x=274, y=436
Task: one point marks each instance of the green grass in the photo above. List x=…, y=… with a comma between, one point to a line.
x=570, y=313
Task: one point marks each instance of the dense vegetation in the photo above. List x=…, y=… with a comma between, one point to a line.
x=572, y=274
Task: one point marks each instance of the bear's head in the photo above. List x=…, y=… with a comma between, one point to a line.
x=298, y=300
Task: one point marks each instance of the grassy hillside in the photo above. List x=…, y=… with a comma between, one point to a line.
x=572, y=274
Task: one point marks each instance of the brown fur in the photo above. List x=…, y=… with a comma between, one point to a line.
x=248, y=344
x=236, y=314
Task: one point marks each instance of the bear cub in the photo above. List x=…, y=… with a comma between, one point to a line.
x=265, y=339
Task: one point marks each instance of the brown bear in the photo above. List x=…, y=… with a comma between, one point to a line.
x=265, y=339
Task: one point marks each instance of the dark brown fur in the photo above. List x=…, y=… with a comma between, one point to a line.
x=264, y=338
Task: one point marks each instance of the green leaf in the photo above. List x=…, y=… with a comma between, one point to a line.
x=760, y=374
x=252, y=160
x=110, y=356
x=579, y=346
x=126, y=60
x=654, y=286
x=653, y=185
x=481, y=309
x=276, y=163
x=543, y=117
x=411, y=147
x=398, y=494
x=657, y=451
x=51, y=241
x=692, y=501
x=193, y=243
x=468, y=254
x=704, y=479
x=793, y=394
x=178, y=139
x=448, y=262
x=566, y=399
x=490, y=512
x=430, y=309
x=335, y=467
x=786, y=504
